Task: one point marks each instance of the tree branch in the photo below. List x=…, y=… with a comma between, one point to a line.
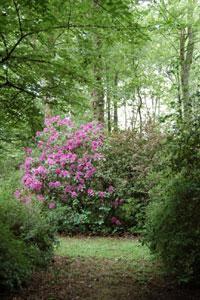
x=9, y=53
x=25, y=58
x=4, y=42
x=62, y=26
x=18, y=16
x=9, y=84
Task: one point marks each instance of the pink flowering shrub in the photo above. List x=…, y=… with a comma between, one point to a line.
x=61, y=172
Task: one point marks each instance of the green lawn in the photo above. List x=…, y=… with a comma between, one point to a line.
x=103, y=247
x=102, y=268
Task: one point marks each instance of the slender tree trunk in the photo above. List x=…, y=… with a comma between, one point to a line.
x=180, y=105
x=115, y=117
x=125, y=115
x=133, y=114
x=186, y=56
x=47, y=108
x=98, y=92
x=108, y=109
x=115, y=106
x=108, y=100
x=139, y=109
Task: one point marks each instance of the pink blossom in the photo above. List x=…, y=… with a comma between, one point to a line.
x=17, y=194
x=45, y=130
x=58, y=171
x=40, y=198
x=42, y=156
x=36, y=185
x=81, y=181
x=66, y=121
x=51, y=162
x=54, y=184
x=28, y=163
x=68, y=188
x=53, y=137
x=40, y=144
x=115, y=221
x=80, y=187
x=65, y=173
x=28, y=150
x=90, y=173
x=95, y=145
x=31, y=182
x=90, y=192
x=49, y=121
x=38, y=133
x=52, y=205
x=74, y=194
x=41, y=170
x=97, y=156
x=102, y=194
x=111, y=189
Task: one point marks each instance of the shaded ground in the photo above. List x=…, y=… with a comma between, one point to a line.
x=104, y=278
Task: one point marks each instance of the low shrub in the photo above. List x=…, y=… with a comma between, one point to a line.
x=15, y=265
x=26, y=241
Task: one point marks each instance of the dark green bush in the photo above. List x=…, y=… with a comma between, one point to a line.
x=26, y=241
x=15, y=265
x=173, y=227
x=129, y=157
x=173, y=223
x=92, y=217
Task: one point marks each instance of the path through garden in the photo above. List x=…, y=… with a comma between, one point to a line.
x=104, y=269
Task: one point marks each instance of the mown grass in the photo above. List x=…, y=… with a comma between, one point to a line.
x=103, y=247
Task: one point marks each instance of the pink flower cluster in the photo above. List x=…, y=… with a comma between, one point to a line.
x=63, y=165
x=115, y=221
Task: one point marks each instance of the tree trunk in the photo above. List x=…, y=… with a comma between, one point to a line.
x=98, y=92
x=108, y=100
x=186, y=55
x=125, y=115
x=139, y=109
x=108, y=110
x=115, y=104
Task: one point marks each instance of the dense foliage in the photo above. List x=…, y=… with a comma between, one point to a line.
x=129, y=158
x=26, y=241
x=173, y=224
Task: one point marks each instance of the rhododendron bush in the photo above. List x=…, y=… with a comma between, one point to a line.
x=60, y=172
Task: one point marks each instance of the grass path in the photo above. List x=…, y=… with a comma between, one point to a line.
x=103, y=247
x=101, y=269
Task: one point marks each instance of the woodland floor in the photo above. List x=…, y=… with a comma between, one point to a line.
x=103, y=269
